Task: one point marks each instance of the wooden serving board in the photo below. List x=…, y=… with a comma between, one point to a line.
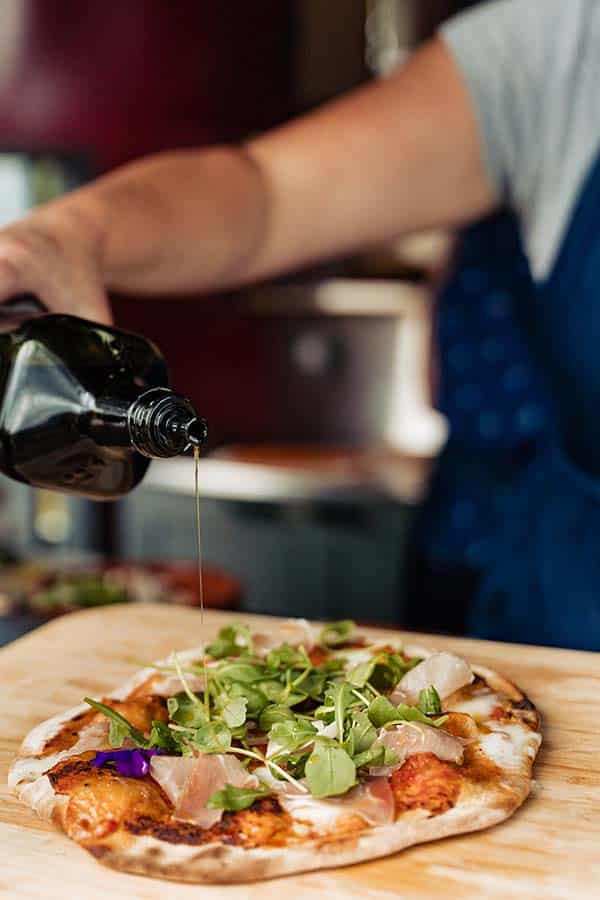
x=549, y=849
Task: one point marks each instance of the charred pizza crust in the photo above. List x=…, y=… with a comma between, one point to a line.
x=130, y=827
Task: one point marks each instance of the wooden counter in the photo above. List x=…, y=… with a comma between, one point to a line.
x=549, y=849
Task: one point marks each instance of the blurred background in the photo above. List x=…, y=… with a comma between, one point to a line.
x=333, y=396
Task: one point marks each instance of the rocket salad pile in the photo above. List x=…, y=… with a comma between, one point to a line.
x=317, y=725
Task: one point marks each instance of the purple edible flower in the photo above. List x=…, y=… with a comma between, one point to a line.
x=133, y=763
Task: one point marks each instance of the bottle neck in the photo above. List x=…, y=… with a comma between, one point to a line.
x=162, y=424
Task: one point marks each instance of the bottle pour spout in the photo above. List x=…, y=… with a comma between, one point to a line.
x=162, y=424
x=196, y=432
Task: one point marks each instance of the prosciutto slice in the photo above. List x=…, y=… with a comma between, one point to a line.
x=445, y=671
x=372, y=800
x=409, y=738
x=189, y=781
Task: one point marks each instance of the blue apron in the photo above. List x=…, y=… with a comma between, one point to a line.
x=541, y=582
x=491, y=393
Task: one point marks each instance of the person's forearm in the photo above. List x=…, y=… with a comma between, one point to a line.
x=177, y=222
x=398, y=155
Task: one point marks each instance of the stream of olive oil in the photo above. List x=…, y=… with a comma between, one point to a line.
x=200, y=582
x=198, y=534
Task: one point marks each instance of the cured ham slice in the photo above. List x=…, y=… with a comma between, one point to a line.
x=372, y=800
x=409, y=738
x=445, y=671
x=189, y=781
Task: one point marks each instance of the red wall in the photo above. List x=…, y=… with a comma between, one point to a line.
x=119, y=80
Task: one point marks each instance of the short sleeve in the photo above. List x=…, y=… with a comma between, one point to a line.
x=500, y=49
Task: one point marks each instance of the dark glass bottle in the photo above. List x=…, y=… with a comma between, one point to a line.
x=84, y=407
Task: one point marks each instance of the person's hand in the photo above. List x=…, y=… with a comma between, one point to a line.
x=55, y=253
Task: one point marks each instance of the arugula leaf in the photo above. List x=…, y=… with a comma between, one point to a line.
x=336, y=633
x=408, y=664
x=373, y=756
x=255, y=699
x=414, y=714
x=214, y=737
x=381, y=711
x=277, y=692
x=292, y=735
x=325, y=712
x=287, y=657
x=119, y=727
x=234, y=712
x=233, y=640
x=360, y=674
x=377, y=755
x=273, y=690
x=233, y=798
x=314, y=683
x=383, y=671
x=329, y=770
x=184, y=711
x=389, y=670
x=429, y=701
x=238, y=670
x=362, y=732
x=339, y=694
x=162, y=738
x=295, y=763
x=275, y=712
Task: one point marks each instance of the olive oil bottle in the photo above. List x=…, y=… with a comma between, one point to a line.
x=84, y=407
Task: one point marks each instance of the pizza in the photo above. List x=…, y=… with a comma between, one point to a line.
x=255, y=757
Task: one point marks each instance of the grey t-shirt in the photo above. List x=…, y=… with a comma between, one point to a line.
x=532, y=68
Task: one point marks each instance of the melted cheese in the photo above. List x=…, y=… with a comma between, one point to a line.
x=479, y=707
x=508, y=744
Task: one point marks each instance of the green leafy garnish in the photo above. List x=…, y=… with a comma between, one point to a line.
x=383, y=671
x=238, y=670
x=119, y=727
x=286, y=657
x=292, y=735
x=295, y=763
x=162, y=738
x=313, y=685
x=338, y=695
x=329, y=770
x=280, y=700
x=275, y=712
x=233, y=799
x=233, y=640
x=234, y=712
x=382, y=712
x=414, y=714
x=377, y=755
x=362, y=733
x=429, y=701
x=360, y=674
x=255, y=699
x=215, y=737
x=389, y=670
x=336, y=633
x=184, y=711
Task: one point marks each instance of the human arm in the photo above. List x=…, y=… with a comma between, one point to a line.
x=398, y=155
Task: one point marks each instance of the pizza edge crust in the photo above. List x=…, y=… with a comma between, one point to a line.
x=225, y=864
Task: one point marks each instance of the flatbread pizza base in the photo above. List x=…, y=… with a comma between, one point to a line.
x=478, y=807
